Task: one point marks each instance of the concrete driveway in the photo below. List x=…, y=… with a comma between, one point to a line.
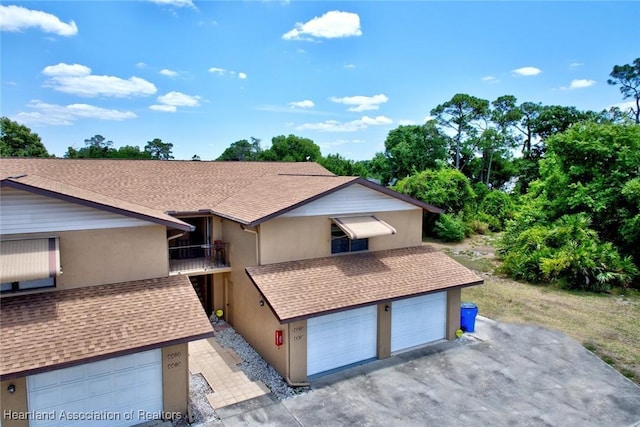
x=504, y=375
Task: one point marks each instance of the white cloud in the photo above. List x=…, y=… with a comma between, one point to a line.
x=170, y=102
x=350, y=66
x=168, y=73
x=165, y=108
x=53, y=114
x=352, y=126
x=302, y=104
x=406, y=122
x=339, y=142
x=141, y=65
x=362, y=103
x=18, y=18
x=527, y=71
x=575, y=65
x=66, y=70
x=490, y=79
x=333, y=24
x=176, y=3
x=224, y=71
x=581, y=83
x=77, y=79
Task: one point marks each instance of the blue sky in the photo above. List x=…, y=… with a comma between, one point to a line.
x=203, y=74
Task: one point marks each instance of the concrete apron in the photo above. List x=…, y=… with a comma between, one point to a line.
x=219, y=368
x=500, y=375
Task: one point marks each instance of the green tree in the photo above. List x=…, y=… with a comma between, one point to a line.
x=413, y=148
x=96, y=147
x=242, y=150
x=341, y=166
x=17, y=140
x=159, y=150
x=380, y=168
x=628, y=77
x=462, y=114
x=445, y=188
x=129, y=152
x=291, y=148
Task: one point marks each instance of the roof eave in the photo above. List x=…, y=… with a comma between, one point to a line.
x=177, y=224
x=53, y=367
x=405, y=198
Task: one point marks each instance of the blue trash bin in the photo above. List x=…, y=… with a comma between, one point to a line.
x=468, y=313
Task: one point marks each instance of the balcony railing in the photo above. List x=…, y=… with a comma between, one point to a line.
x=184, y=259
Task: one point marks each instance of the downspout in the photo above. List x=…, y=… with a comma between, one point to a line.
x=255, y=233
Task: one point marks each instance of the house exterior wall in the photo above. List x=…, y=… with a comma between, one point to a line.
x=175, y=389
x=96, y=257
x=295, y=238
x=454, y=297
x=296, y=343
x=25, y=212
x=12, y=405
x=175, y=380
x=255, y=323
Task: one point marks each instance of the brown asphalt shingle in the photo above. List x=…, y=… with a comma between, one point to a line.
x=51, y=187
x=247, y=192
x=51, y=330
x=181, y=186
x=300, y=289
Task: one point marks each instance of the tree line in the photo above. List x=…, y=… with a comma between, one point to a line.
x=562, y=184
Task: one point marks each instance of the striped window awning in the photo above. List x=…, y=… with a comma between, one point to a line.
x=361, y=227
x=29, y=259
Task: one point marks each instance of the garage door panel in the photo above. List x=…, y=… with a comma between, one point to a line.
x=340, y=339
x=419, y=320
x=117, y=385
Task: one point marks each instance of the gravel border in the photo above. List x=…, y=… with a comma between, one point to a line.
x=254, y=367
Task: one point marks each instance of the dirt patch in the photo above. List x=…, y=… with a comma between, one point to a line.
x=608, y=325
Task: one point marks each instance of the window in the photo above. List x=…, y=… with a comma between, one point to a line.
x=340, y=242
x=25, y=285
x=27, y=264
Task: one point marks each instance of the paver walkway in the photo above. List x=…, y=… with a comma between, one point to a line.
x=218, y=366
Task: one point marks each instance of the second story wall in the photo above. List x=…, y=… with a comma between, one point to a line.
x=295, y=238
x=96, y=247
x=97, y=257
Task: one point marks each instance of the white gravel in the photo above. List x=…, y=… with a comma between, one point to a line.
x=201, y=409
x=255, y=367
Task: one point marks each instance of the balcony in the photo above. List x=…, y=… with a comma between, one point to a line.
x=194, y=259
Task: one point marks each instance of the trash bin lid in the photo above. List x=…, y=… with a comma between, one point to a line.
x=468, y=305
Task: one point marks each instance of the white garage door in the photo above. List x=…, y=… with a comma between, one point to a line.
x=116, y=389
x=417, y=321
x=341, y=339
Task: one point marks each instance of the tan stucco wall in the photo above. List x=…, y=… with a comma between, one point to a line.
x=297, y=346
x=96, y=257
x=256, y=323
x=292, y=239
x=15, y=404
x=453, y=313
x=175, y=380
x=384, y=330
x=408, y=225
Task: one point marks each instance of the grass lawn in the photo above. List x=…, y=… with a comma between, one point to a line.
x=608, y=325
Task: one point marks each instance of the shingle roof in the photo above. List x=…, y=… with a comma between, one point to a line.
x=300, y=289
x=52, y=330
x=51, y=188
x=248, y=192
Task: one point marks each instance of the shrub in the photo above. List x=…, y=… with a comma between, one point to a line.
x=568, y=252
x=498, y=205
x=450, y=228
